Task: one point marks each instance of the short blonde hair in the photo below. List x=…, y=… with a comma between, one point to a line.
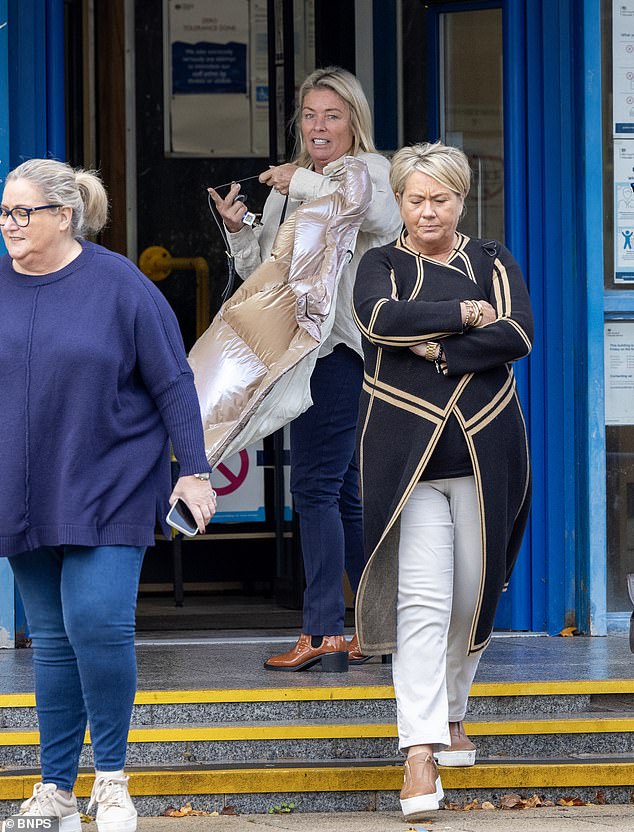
x=349, y=89
x=449, y=165
x=81, y=190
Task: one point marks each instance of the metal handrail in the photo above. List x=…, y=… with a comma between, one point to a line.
x=157, y=263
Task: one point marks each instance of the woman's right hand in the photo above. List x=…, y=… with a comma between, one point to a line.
x=230, y=210
x=488, y=312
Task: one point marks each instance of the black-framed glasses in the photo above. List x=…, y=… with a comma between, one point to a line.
x=22, y=216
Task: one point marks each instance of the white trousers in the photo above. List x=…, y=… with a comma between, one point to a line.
x=438, y=583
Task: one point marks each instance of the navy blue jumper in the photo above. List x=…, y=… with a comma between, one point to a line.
x=93, y=380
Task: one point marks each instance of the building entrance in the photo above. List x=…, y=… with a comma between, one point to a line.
x=86, y=81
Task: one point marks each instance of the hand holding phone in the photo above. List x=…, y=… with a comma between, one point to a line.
x=181, y=519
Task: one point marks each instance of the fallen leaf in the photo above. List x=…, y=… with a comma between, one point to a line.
x=475, y=804
x=282, y=809
x=453, y=807
x=172, y=812
x=186, y=811
x=487, y=805
x=533, y=802
x=511, y=801
x=571, y=801
x=568, y=631
x=229, y=810
x=85, y=818
x=600, y=798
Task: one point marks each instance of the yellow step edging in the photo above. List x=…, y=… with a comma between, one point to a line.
x=343, y=779
x=251, y=733
x=479, y=689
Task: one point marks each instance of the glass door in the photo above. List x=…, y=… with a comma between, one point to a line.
x=467, y=111
x=471, y=112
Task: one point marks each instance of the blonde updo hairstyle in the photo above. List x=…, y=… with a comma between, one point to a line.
x=348, y=88
x=448, y=165
x=81, y=190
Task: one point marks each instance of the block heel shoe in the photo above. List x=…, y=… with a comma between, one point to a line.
x=330, y=657
x=355, y=656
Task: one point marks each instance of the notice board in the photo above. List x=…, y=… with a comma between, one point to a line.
x=215, y=78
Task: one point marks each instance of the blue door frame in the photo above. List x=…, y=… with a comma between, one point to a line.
x=553, y=221
x=32, y=124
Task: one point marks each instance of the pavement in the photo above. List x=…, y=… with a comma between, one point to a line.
x=547, y=819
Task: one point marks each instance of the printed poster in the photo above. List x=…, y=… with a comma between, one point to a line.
x=239, y=485
x=624, y=210
x=619, y=372
x=623, y=67
x=216, y=93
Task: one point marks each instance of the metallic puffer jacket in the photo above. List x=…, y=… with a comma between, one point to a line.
x=252, y=367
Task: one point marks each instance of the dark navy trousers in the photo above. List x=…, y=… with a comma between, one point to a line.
x=325, y=488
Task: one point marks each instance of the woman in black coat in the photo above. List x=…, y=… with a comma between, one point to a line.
x=443, y=452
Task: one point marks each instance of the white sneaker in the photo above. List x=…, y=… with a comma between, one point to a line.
x=115, y=809
x=47, y=802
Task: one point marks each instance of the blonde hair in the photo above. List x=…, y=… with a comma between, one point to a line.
x=348, y=88
x=448, y=165
x=81, y=190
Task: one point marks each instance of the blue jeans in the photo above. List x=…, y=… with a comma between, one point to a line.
x=80, y=604
x=325, y=487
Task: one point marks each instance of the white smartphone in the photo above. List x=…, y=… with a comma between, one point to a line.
x=181, y=518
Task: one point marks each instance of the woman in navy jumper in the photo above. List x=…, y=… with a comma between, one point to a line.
x=95, y=385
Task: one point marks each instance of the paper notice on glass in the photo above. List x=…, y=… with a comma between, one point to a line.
x=259, y=79
x=211, y=94
x=624, y=210
x=619, y=372
x=623, y=67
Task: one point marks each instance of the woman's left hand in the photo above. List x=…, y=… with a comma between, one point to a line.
x=199, y=496
x=279, y=177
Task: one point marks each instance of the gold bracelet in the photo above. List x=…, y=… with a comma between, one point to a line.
x=470, y=314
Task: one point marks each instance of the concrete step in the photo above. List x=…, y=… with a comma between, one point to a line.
x=350, y=786
x=254, y=748
x=543, y=737
x=367, y=703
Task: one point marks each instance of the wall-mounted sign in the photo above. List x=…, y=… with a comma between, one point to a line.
x=215, y=77
x=619, y=372
x=624, y=210
x=239, y=484
x=623, y=67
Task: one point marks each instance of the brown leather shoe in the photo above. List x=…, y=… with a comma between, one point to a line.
x=355, y=656
x=461, y=752
x=332, y=655
x=422, y=790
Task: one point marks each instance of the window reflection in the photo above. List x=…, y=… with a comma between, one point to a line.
x=471, y=115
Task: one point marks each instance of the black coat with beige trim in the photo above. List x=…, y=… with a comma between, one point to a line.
x=401, y=299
